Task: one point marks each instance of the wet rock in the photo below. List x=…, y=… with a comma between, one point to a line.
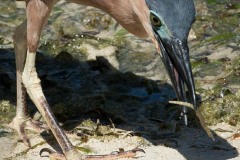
x=64, y=57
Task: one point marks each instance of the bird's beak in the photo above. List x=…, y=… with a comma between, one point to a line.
x=175, y=55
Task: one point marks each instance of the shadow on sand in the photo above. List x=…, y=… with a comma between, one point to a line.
x=80, y=90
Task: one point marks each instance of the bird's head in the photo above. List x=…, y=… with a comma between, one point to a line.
x=169, y=23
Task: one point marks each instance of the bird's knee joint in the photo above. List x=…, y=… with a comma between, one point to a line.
x=32, y=46
x=30, y=78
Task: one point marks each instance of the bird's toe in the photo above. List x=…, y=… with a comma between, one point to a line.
x=20, y=124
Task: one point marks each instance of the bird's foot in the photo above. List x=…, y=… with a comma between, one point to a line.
x=77, y=156
x=20, y=124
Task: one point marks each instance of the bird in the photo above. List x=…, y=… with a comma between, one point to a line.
x=166, y=22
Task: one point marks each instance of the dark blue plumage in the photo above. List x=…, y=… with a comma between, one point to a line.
x=178, y=15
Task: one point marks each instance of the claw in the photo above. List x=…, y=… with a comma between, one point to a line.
x=48, y=150
x=23, y=136
x=52, y=154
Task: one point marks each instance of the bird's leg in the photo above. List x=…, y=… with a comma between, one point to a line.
x=37, y=14
x=34, y=90
x=22, y=121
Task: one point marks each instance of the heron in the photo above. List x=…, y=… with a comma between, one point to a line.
x=166, y=22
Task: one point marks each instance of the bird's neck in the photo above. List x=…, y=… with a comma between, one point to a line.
x=128, y=13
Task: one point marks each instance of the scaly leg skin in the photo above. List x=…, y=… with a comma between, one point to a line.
x=22, y=121
x=114, y=155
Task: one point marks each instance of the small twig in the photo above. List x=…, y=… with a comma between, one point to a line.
x=203, y=124
x=189, y=105
x=112, y=124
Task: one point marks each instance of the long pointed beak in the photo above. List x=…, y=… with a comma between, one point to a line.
x=175, y=55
